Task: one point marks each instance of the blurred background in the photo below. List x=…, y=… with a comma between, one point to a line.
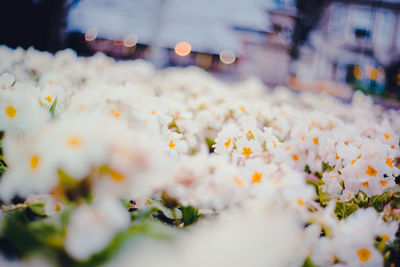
x=331, y=46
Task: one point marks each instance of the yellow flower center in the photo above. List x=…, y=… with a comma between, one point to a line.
x=383, y=183
x=247, y=151
x=34, y=162
x=300, y=202
x=238, y=181
x=315, y=140
x=303, y=138
x=171, y=144
x=354, y=161
x=295, y=157
x=250, y=134
x=153, y=112
x=74, y=142
x=274, y=143
x=116, y=176
x=365, y=184
x=364, y=254
x=387, y=136
x=256, y=177
x=385, y=237
x=389, y=162
x=115, y=113
x=10, y=112
x=227, y=143
x=371, y=171
x=57, y=208
x=48, y=98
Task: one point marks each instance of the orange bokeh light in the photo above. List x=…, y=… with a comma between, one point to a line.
x=183, y=49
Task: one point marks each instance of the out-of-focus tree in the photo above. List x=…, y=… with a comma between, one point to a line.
x=308, y=15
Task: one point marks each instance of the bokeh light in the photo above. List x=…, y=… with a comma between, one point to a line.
x=130, y=40
x=183, y=49
x=91, y=34
x=227, y=57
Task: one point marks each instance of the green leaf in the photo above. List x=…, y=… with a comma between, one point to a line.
x=21, y=237
x=307, y=169
x=173, y=126
x=190, y=215
x=380, y=201
x=210, y=142
x=147, y=228
x=53, y=107
x=65, y=180
x=125, y=203
x=173, y=214
x=324, y=198
x=38, y=208
x=344, y=209
x=308, y=263
x=15, y=236
x=327, y=167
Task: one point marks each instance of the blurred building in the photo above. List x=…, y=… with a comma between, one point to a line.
x=208, y=27
x=269, y=57
x=244, y=37
x=354, y=42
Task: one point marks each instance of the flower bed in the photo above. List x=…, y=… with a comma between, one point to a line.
x=116, y=163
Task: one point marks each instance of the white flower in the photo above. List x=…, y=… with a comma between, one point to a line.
x=92, y=227
x=6, y=80
x=20, y=113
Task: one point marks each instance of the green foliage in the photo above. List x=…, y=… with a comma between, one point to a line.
x=322, y=197
x=53, y=107
x=344, y=209
x=170, y=213
x=308, y=263
x=38, y=208
x=3, y=165
x=392, y=254
x=22, y=235
x=75, y=189
x=210, y=142
x=65, y=180
x=307, y=169
x=326, y=167
x=173, y=127
x=380, y=201
x=190, y=215
x=141, y=228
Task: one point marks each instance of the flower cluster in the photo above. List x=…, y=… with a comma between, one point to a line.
x=97, y=151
